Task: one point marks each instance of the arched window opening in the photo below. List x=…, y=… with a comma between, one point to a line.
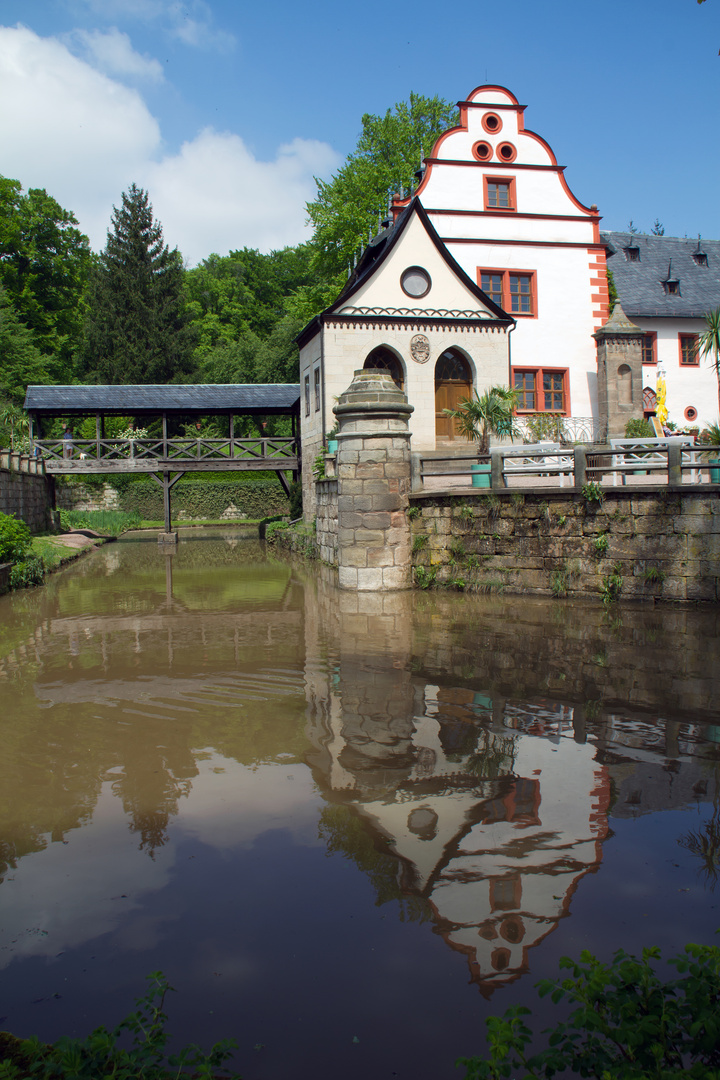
x=453, y=382
x=624, y=385
x=383, y=359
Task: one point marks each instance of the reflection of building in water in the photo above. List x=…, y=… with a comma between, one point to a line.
x=493, y=825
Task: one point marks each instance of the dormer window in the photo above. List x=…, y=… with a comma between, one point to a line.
x=632, y=253
x=699, y=255
x=671, y=284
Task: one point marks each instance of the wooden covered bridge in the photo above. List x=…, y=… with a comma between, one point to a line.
x=166, y=457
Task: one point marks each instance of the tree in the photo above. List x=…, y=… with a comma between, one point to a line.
x=388, y=153
x=44, y=266
x=21, y=362
x=491, y=413
x=709, y=341
x=658, y=229
x=137, y=329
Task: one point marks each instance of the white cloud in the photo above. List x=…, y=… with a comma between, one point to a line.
x=85, y=138
x=190, y=21
x=215, y=196
x=111, y=52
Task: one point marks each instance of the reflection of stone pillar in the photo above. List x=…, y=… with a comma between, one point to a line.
x=619, y=365
x=373, y=466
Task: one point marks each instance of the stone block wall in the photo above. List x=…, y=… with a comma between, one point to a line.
x=644, y=545
x=79, y=496
x=326, y=534
x=27, y=496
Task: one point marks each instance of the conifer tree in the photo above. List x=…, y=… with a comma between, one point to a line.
x=137, y=328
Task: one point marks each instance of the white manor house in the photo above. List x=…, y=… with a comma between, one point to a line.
x=494, y=272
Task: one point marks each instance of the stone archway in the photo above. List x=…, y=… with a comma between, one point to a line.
x=453, y=382
x=384, y=359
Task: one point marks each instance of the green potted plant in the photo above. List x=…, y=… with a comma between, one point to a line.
x=483, y=415
x=331, y=440
x=711, y=437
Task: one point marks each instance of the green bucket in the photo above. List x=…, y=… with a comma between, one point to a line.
x=480, y=474
x=714, y=470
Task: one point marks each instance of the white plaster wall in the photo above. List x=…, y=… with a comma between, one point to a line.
x=560, y=336
x=415, y=248
x=696, y=386
x=346, y=350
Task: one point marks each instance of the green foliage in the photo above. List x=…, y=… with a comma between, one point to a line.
x=612, y=291
x=710, y=435
x=653, y=575
x=612, y=585
x=639, y=429
x=137, y=328
x=559, y=582
x=425, y=576
x=388, y=153
x=318, y=466
x=414, y=512
x=206, y=500
x=709, y=340
x=105, y=1054
x=483, y=415
x=28, y=571
x=15, y=539
x=593, y=493
x=107, y=522
x=21, y=362
x=296, y=500
x=420, y=541
x=545, y=426
x=44, y=265
x=627, y=1024
x=600, y=544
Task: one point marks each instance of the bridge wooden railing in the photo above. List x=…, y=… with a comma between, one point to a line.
x=120, y=454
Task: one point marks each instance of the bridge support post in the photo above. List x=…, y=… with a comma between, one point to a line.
x=167, y=484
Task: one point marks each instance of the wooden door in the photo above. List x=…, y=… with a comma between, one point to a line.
x=448, y=395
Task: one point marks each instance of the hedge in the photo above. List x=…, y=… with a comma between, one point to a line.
x=203, y=499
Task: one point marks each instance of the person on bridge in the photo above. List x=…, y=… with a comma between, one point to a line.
x=67, y=442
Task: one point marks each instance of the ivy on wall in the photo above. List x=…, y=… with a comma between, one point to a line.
x=199, y=500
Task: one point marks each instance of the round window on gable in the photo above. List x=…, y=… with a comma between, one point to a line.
x=415, y=282
x=482, y=151
x=506, y=152
x=691, y=413
x=492, y=123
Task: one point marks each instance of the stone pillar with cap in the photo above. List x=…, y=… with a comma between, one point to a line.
x=619, y=369
x=373, y=473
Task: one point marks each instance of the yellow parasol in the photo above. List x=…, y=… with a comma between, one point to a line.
x=661, y=394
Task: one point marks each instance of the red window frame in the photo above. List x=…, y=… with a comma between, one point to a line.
x=539, y=392
x=688, y=350
x=649, y=348
x=508, y=289
x=506, y=181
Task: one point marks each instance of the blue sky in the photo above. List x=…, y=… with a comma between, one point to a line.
x=226, y=110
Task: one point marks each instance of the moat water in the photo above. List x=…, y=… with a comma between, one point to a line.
x=347, y=828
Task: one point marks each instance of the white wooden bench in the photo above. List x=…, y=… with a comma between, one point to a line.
x=645, y=455
x=539, y=459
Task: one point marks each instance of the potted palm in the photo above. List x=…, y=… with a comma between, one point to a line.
x=482, y=415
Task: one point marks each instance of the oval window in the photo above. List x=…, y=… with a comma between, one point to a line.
x=492, y=123
x=415, y=282
x=482, y=151
x=506, y=152
x=691, y=413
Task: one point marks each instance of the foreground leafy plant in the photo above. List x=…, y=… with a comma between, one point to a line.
x=628, y=1024
x=100, y=1056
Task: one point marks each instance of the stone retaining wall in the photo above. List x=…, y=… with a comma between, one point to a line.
x=644, y=545
x=27, y=496
x=326, y=531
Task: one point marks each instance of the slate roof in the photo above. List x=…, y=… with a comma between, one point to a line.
x=375, y=254
x=264, y=399
x=640, y=283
